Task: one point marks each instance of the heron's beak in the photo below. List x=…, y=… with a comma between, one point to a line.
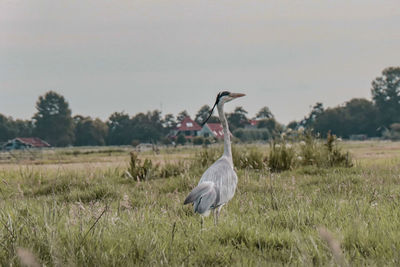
x=236, y=95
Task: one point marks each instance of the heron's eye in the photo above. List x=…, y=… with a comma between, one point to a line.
x=224, y=93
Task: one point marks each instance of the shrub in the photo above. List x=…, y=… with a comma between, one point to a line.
x=393, y=133
x=248, y=159
x=206, y=157
x=247, y=135
x=180, y=140
x=314, y=152
x=139, y=171
x=198, y=140
x=135, y=143
x=172, y=169
x=310, y=150
x=335, y=156
x=281, y=157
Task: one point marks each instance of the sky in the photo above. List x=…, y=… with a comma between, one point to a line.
x=133, y=56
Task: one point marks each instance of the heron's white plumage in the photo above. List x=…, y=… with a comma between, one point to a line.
x=222, y=174
x=218, y=183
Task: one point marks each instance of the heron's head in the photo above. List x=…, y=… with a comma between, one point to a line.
x=226, y=96
x=222, y=98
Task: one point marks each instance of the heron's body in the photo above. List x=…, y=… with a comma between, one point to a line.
x=218, y=183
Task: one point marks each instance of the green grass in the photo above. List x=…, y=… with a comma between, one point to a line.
x=98, y=217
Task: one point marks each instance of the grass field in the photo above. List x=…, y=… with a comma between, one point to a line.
x=72, y=207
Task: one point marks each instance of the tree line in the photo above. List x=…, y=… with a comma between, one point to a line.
x=54, y=122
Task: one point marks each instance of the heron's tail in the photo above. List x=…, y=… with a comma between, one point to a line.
x=204, y=196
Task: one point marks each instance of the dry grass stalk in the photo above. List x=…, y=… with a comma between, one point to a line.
x=27, y=258
x=333, y=244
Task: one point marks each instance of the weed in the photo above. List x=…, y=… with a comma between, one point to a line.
x=139, y=171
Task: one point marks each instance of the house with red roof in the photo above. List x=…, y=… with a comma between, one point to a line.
x=212, y=130
x=24, y=143
x=188, y=127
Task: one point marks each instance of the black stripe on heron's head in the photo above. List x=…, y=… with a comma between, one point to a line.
x=221, y=94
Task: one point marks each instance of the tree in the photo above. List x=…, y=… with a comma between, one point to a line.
x=53, y=121
x=273, y=127
x=264, y=113
x=203, y=114
x=10, y=128
x=386, y=95
x=316, y=110
x=119, y=129
x=183, y=114
x=293, y=125
x=89, y=132
x=169, y=122
x=357, y=116
x=238, y=118
x=180, y=140
x=7, y=128
x=24, y=128
x=148, y=127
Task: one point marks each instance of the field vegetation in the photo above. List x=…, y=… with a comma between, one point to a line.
x=115, y=207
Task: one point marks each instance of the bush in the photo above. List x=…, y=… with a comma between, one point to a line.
x=286, y=153
x=139, y=171
x=308, y=150
x=172, y=169
x=247, y=135
x=148, y=170
x=281, y=157
x=205, y=157
x=248, y=159
x=198, y=140
x=336, y=158
x=393, y=133
x=181, y=140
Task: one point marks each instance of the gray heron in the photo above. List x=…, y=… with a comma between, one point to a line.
x=218, y=183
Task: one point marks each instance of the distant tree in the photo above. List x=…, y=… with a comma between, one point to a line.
x=53, y=121
x=203, y=114
x=249, y=135
x=183, y=114
x=119, y=129
x=169, y=122
x=238, y=118
x=148, y=127
x=10, y=128
x=317, y=109
x=7, y=128
x=273, y=127
x=264, y=113
x=293, y=125
x=89, y=132
x=181, y=140
x=386, y=95
x=357, y=116
x=24, y=128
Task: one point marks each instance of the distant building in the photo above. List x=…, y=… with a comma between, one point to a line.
x=24, y=143
x=188, y=127
x=252, y=124
x=212, y=130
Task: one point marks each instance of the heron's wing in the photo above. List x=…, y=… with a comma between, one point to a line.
x=224, y=177
x=198, y=191
x=206, y=201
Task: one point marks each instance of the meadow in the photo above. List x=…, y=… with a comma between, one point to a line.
x=79, y=207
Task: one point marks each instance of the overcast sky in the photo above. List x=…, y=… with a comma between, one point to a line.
x=135, y=56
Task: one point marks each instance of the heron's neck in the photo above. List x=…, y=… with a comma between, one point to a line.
x=227, y=137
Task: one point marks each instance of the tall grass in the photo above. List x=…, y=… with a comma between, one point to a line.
x=56, y=219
